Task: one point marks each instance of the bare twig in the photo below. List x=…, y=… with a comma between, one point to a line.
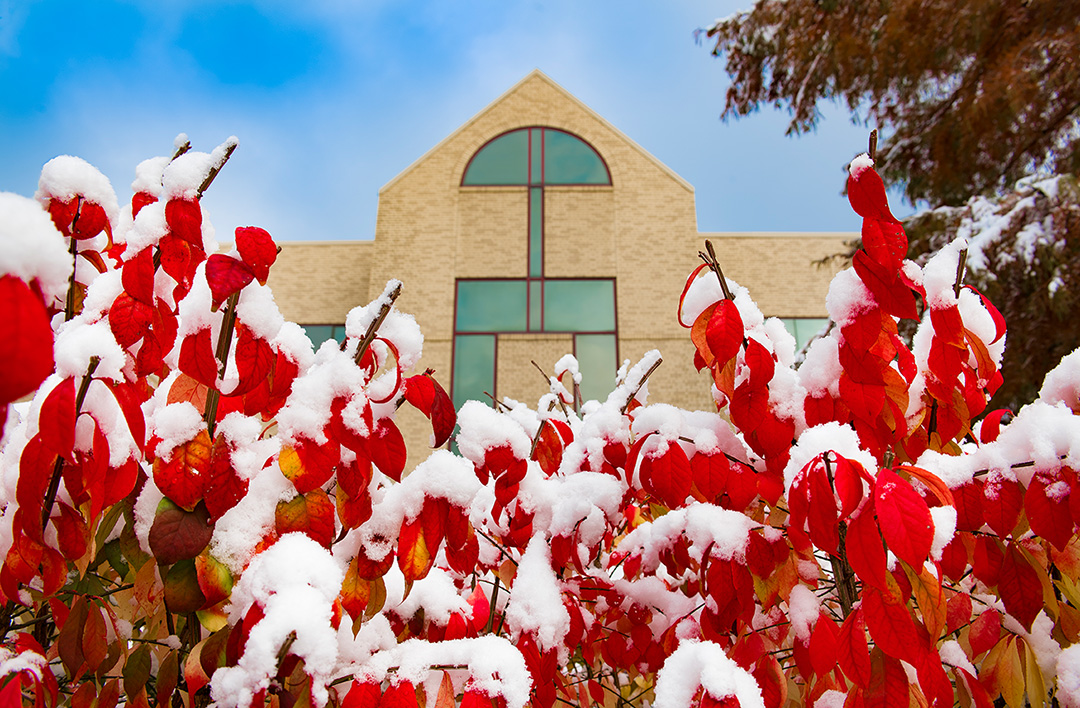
x=215, y=169
x=714, y=264
x=369, y=335
x=54, y=481
x=547, y=380
x=228, y=324
x=872, y=147
x=961, y=266
x=641, y=383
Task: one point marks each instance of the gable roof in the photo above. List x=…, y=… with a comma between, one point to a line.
x=532, y=76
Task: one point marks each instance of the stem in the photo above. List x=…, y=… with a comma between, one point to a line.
x=714, y=263
x=872, y=147
x=640, y=384
x=54, y=481
x=214, y=170
x=843, y=576
x=961, y=265
x=181, y=150
x=547, y=380
x=69, y=303
x=491, y=610
x=228, y=324
x=369, y=335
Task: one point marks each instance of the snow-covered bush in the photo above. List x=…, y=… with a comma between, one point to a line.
x=200, y=508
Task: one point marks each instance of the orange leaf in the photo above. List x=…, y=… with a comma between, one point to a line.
x=445, y=699
x=309, y=465
x=414, y=558
x=311, y=513
x=184, y=477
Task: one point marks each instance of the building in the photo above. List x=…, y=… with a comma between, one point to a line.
x=538, y=229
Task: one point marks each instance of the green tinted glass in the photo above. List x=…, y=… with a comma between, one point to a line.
x=474, y=367
x=320, y=333
x=579, y=305
x=536, y=305
x=804, y=329
x=491, y=306
x=596, y=360
x=502, y=161
x=536, y=156
x=569, y=160
x=536, y=232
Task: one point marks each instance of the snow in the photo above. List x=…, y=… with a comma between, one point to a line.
x=704, y=664
x=1062, y=383
x=295, y=583
x=494, y=666
x=30, y=246
x=1068, y=677
x=78, y=340
x=860, y=164
x=724, y=533
x=483, y=428
x=239, y=530
x=944, y=519
x=65, y=177
x=803, y=610
x=831, y=699
x=848, y=297
x=535, y=607
x=827, y=437
x=28, y=661
x=183, y=176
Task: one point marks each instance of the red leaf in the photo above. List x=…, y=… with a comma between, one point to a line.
x=89, y=221
x=749, y=406
x=72, y=533
x=891, y=625
x=667, y=477
x=128, y=397
x=137, y=276
x=710, y=475
x=866, y=192
x=958, y=612
x=890, y=293
x=1047, y=503
x=1020, y=587
x=226, y=275
x=968, y=500
x=57, y=419
x=309, y=465
x=443, y=416
x=224, y=488
x=254, y=360
x=863, y=399
x=184, y=217
x=849, y=484
x=362, y=695
x=399, y=695
x=26, y=340
x=853, y=651
x=549, y=448
x=985, y=632
x=824, y=640
x=1003, y=500
x=822, y=518
x=865, y=552
x=387, y=449
x=197, y=358
x=885, y=242
x=257, y=250
x=991, y=425
x=724, y=333
x=129, y=319
x=139, y=200
x=999, y=321
x=986, y=563
x=420, y=392
x=183, y=478
x=904, y=518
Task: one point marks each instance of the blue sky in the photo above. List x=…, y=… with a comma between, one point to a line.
x=332, y=98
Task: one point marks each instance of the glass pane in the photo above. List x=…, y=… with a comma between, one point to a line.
x=474, y=368
x=536, y=155
x=502, y=161
x=569, y=160
x=490, y=306
x=596, y=361
x=536, y=305
x=804, y=328
x=339, y=333
x=319, y=333
x=579, y=305
x=536, y=232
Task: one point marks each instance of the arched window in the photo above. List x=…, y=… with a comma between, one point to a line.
x=534, y=158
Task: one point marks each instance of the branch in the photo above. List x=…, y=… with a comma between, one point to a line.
x=547, y=380
x=54, y=481
x=228, y=324
x=216, y=168
x=369, y=335
x=961, y=265
x=713, y=263
x=641, y=383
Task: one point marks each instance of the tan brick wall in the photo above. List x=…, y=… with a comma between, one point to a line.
x=579, y=232
x=494, y=232
x=516, y=376
x=319, y=282
x=782, y=271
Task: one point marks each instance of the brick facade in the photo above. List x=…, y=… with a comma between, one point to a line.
x=641, y=230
